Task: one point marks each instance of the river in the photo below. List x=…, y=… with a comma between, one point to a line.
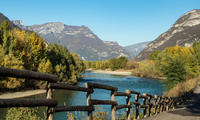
x=123, y=83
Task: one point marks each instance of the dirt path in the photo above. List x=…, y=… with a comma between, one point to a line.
x=191, y=111
x=21, y=94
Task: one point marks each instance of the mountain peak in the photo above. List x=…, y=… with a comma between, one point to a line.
x=19, y=23
x=47, y=28
x=184, y=32
x=189, y=19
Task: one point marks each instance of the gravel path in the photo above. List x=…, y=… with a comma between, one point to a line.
x=21, y=94
x=191, y=111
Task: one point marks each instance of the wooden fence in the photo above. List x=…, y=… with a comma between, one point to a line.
x=150, y=105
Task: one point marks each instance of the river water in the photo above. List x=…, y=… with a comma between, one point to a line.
x=123, y=83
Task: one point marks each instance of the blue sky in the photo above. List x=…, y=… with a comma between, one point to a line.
x=124, y=21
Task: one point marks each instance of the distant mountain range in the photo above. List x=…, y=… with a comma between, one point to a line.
x=135, y=49
x=78, y=39
x=184, y=32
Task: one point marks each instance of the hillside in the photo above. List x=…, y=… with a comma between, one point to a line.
x=78, y=39
x=3, y=18
x=184, y=32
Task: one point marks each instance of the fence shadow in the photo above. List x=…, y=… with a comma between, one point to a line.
x=191, y=108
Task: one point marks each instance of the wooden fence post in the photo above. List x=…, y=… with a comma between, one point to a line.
x=145, y=108
x=113, y=107
x=49, y=95
x=156, y=104
x=88, y=96
x=137, y=106
x=168, y=103
x=128, y=102
x=163, y=103
x=150, y=105
x=160, y=104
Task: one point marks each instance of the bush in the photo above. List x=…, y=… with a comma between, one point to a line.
x=147, y=69
x=175, y=71
x=22, y=114
x=132, y=64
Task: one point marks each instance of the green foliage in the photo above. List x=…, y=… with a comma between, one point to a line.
x=22, y=114
x=2, y=54
x=196, y=51
x=175, y=71
x=154, y=55
x=68, y=67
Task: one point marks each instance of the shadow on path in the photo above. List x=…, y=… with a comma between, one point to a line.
x=190, y=111
x=192, y=107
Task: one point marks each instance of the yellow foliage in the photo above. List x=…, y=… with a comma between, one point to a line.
x=147, y=68
x=11, y=62
x=29, y=46
x=45, y=67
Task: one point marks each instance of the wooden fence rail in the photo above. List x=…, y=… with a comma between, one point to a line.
x=8, y=72
x=151, y=104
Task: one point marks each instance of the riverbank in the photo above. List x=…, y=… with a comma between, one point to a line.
x=126, y=73
x=118, y=72
x=21, y=94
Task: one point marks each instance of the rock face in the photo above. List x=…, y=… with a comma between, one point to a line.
x=184, y=32
x=19, y=23
x=78, y=39
x=135, y=49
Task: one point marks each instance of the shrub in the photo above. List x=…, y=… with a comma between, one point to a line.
x=22, y=114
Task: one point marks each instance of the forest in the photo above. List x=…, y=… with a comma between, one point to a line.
x=21, y=49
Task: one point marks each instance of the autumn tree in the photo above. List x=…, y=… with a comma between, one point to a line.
x=11, y=62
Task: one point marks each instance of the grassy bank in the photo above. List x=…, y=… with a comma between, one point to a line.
x=183, y=87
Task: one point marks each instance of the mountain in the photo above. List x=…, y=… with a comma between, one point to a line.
x=3, y=18
x=78, y=39
x=135, y=49
x=184, y=32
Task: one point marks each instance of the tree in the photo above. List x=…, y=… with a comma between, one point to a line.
x=154, y=55
x=122, y=61
x=2, y=54
x=29, y=47
x=175, y=71
x=45, y=66
x=11, y=62
x=66, y=66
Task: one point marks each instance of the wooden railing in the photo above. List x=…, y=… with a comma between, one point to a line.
x=151, y=104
